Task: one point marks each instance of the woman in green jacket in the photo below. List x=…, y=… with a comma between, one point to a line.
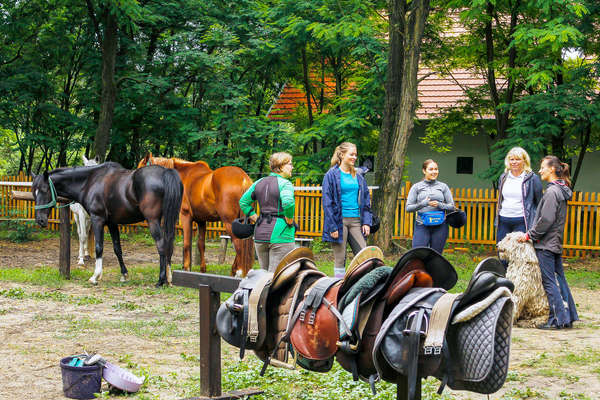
x=274, y=230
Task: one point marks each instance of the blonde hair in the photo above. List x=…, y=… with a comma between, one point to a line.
x=338, y=154
x=518, y=152
x=278, y=160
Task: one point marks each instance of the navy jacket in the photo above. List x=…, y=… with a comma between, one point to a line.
x=532, y=194
x=332, y=204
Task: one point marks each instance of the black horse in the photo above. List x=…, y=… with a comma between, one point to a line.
x=113, y=195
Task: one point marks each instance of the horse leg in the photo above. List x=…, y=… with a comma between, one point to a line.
x=201, y=244
x=80, y=235
x=87, y=224
x=158, y=235
x=116, y=239
x=237, y=268
x=188, y=235
x=98, y=228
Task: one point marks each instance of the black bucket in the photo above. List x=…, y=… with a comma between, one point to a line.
x=80, y=382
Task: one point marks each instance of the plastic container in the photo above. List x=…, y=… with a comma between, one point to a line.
x=121, y=378
x=80, y=382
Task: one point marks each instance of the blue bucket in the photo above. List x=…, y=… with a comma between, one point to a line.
x=80, y=382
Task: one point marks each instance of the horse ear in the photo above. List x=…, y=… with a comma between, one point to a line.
x=33, y=175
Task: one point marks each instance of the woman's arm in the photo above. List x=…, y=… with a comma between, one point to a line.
x=546, y=216
x=247, y=199
x=448, y=203
x=411, y=200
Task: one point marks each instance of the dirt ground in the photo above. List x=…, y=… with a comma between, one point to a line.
x=35, y=333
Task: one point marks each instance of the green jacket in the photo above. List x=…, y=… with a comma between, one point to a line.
x=275, y=196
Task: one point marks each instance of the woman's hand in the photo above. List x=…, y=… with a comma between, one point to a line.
x=334, y=235
x=522, y=238
x=366, y=229
x=253, y=218
x=433, y=203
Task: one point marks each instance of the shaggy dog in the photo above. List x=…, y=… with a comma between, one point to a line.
x=531, y=303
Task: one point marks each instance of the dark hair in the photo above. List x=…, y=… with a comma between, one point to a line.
x=427, y=162
x=561, y=169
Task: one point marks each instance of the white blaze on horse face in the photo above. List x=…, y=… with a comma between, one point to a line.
x=97, y=272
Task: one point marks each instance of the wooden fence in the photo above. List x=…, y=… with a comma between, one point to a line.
x=582, y=230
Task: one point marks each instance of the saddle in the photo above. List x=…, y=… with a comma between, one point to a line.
x=314, y=333
x=318, y=323
x=418, y=340
x=295, y=273
x=242, y=319
x=419, y=267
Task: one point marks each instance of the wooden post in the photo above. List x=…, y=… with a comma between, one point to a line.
x=210, y=343
x=209, y=287
x=64, y=260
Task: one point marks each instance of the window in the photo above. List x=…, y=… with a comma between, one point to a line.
x=464, y=165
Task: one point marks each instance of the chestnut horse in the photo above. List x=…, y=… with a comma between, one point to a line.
x=209, y=196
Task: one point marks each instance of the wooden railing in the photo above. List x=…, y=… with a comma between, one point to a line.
x=582, y=230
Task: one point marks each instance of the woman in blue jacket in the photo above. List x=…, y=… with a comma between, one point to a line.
x=519, y=193
x=346, y=205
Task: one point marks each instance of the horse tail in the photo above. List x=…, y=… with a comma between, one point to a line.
x=173, y=193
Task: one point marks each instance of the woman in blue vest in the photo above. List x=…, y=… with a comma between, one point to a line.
x=430, y=199
x=275, y=229
x=346, y=206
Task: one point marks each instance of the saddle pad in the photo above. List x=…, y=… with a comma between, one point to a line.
x=475, y=309
x=480, y=349
x=365, y=286
x=350, y=317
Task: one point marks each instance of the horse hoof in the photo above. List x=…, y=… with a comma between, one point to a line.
x=93, y=281
x=124, y=278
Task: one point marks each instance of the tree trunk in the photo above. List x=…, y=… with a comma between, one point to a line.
x=402, y=82
x=307, y=86
x=109, y=89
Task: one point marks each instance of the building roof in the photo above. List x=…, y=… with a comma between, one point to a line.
x=436, y=92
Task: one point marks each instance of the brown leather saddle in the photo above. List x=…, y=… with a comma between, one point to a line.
x=293, y=276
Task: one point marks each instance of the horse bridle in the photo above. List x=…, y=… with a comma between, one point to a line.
x=53, y=202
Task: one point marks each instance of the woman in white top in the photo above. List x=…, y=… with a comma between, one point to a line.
x=519, y=192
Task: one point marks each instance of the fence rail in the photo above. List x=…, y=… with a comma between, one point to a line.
x=582, y=230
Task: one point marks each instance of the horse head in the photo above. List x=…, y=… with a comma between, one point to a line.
x=89, y=162
x=147, y=160
x=44, y=196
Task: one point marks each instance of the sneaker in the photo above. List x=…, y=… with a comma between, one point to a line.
x=548, y=326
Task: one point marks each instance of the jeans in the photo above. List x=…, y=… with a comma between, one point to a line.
x=508, y=225
x=352, y=233
x=430, y=236
x=551, y=267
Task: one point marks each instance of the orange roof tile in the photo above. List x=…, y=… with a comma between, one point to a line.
x=435, y=93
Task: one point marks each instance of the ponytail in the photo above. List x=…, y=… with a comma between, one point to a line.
x=561, y=169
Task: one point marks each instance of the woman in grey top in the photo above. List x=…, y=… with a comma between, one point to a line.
x=425, y=197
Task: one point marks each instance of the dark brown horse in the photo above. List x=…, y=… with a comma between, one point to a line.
x=113, y=195
x=209, y=196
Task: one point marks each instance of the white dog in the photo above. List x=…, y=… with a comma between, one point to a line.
x=531, y=303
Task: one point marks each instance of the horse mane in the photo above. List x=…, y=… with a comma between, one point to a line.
x=175, y=163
